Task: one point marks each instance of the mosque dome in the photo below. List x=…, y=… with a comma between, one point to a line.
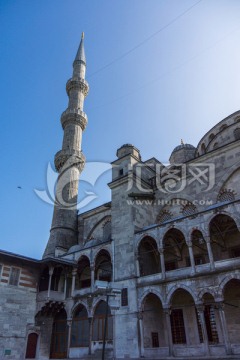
x=182, y=153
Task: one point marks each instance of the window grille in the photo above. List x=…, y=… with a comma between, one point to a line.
x=155, y=340
x=226, y=195
x=177, y=326
x=211, y=324
x=199, y=326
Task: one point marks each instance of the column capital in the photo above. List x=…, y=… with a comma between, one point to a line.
x=200, y=307
x=140, y=315
x=74, y=272
x=161, y=250
x=219, y=305
x=167, y=311
x=69, y=321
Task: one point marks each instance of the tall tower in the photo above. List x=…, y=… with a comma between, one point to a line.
x=69, y=161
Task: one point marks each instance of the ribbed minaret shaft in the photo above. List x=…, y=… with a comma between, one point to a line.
x=69, y=161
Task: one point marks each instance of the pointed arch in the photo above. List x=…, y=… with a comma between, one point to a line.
x=103, y=266
x=177, y=287
x=224, y=237
x=101, y=311
x=83, y=279
x=149, y=258
x=145, y=294
x=175, y=249
x=80, y=327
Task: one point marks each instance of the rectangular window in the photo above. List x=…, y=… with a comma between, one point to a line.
x=177, y=326
x=14, y=276
x=124, y=297
x=155, y=340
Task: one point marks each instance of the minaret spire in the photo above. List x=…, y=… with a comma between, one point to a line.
x=81, y=52
x=69, y=161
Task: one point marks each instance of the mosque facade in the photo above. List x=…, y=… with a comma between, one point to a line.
x=154, y=273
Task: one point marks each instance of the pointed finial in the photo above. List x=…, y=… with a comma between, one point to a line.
x=81, y=53
x=182, y=143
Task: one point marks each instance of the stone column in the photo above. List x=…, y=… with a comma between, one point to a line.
x=137, y=265
x=200, y=309
x=90, y=321
x=74, y=273
x=161, y=251
x=65, y=285
x=140, y=324
x=220, y=308
x=69, y=324
x=192, y=261
x=210, y=254
x=92, y=276
x=167, y=312
x=51, y=269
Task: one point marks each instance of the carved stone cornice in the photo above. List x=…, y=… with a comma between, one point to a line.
x=74, y=116
x=77, y=84
x=64, y=160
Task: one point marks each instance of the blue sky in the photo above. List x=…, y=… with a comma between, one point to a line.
x=149, y=87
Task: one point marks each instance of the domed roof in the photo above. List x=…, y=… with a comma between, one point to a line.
x=183, y=146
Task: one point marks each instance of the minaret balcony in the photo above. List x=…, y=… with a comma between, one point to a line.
x=74, y=116
x=65, y=159
x=77, y=84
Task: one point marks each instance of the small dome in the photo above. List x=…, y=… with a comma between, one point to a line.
x=182, y=153
x=183, y=146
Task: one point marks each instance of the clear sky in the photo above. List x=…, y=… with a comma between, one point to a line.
x=158, y=70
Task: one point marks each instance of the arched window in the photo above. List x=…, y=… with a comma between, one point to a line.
x=203, y=148
x=237, y=133
x=225, y=237
x=80, y=328
x=103, y=266
x=84, y=273
x=183, y=309
x=99, y=322
x=164, y=215
x=199, y=248
x=149, y=258
x=188, y=209
x=211, y=137
x=226, y=195
x=175, y=250
x=232, y=309
x=154, y=327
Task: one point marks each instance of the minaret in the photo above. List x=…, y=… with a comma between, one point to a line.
x=69, y=161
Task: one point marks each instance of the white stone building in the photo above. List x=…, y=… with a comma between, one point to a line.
x=169, y=239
